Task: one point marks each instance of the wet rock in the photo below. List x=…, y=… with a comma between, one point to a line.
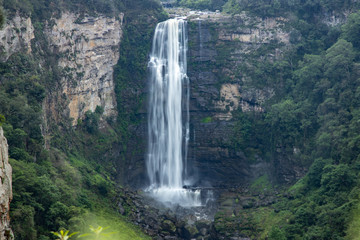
x=121, y=209
x=190, y=231
x=203, y=231
x=170, y=238
x=203, y=224
x=248, y=203
x=168, y=226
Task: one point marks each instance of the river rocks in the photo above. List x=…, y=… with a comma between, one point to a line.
x=161, y=222
x=5, y=189
x=168, y=226
x=190, y=231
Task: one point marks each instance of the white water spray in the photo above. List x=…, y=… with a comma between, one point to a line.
x=168, y=136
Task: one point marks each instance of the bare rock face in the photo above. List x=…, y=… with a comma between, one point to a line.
x=88, y=48
x=256, y=30
x=16, y=36
x=220, y=47
x=5, y=189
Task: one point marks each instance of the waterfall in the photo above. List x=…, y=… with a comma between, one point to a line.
x=200, y=40
x=168, y=136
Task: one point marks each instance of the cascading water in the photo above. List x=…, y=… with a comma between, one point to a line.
x=168, y=136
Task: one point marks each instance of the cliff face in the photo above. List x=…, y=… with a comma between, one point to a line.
x=222, y=49
x=16, y=36
x=87, y=49
x=5, y=189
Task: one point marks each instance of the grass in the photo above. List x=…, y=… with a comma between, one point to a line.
x=261, y=184
x=206, y=120
x=122, y=230
x=353, y=232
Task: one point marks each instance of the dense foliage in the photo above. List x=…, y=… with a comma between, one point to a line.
x=316, y=110
x=313, y=118
x=66, y=181
x=274, y=8
x=202, y=4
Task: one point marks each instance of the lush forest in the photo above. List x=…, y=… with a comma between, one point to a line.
x=316, y=109
x=64, y=185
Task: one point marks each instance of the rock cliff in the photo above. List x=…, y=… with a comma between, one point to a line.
x=5, y=189
x=221, y=52
x=16, y=36
x=87, y=49
x=219, y=48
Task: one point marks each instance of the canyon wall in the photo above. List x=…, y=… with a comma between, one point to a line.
x=5, y=189
x=222, y=49
x=87, y=49
x=219, y=48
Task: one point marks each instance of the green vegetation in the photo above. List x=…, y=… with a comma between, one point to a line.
x=202, y=4
x=63, y=235
x=64, y=177
x=310, y=123
x=206, y=120
x=2, y=15
x=274, y=8
x=313, y=118
x=315, y=112
x=97, y=233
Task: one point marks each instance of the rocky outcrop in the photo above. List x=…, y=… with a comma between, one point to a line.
x=87, y=49
x=16, y=36
x=161, y=222
x=5, y=189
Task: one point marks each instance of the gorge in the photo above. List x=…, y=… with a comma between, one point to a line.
x=267, y=118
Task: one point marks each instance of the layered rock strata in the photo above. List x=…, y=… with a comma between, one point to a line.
x=87, y=49
x=220, y=47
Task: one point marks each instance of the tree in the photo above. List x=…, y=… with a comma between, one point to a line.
x=351, y=30
x=277, y=234
x=2, y=119
x=339, y=60
x=2, y=15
